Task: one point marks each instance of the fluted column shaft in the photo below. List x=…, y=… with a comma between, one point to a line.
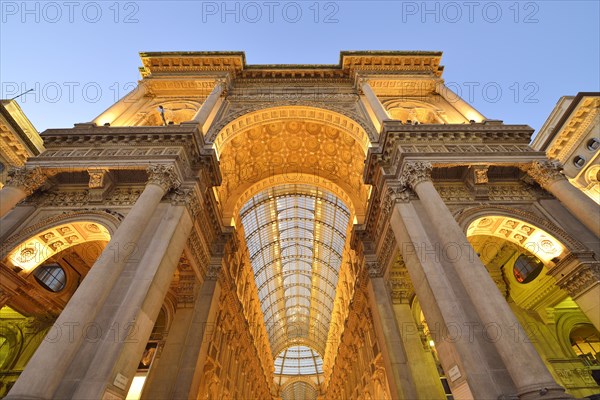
x=48, y=365
x=586, y=210
x=22, y=184
x=528, y=371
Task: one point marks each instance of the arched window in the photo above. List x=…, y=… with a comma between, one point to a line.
x=585, y=341
x=527, y=268
x=51, y=276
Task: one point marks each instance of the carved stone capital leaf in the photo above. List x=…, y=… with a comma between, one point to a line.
x=164, y=176
x=582, y=279
x=415, y=172
x=187, y=197
x=27, y=179
x=545, y=172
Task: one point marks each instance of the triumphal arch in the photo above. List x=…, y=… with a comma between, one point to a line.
x=349, y=231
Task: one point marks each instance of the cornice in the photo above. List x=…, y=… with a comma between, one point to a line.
x=402, y=62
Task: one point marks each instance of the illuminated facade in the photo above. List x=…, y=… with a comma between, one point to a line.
x=350, y=231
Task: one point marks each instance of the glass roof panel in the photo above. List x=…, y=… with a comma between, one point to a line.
x=296, y=235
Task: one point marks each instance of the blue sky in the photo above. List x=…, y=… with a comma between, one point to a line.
x=512, y=60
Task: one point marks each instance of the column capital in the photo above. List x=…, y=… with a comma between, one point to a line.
x=27, y=179
x=415, y=172
x=392, y=195
x=360, y=82
x=545, y=172
x=164, y=176
x=222, y=85
x=187, y=196
x=577, y=273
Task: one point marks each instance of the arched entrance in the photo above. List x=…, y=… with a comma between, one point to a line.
x=292, y=186
x=519, y=256
x=49, y=265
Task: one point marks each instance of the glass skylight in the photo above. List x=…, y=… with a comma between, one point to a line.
x=296, y=235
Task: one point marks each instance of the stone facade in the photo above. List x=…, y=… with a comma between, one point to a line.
x=350, y=231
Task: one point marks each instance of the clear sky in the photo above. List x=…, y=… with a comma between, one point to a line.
x=512, y=60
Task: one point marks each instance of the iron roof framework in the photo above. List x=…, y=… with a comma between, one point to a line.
x=295, y=236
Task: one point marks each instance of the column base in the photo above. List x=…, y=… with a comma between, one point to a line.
x=543, y=392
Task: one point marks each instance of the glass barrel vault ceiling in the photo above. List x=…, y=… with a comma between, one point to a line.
x=295, y=235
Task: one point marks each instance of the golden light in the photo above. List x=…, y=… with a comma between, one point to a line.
x=40, y=247
x=527, y=236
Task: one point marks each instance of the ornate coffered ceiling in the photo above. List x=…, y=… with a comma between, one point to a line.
x=294, y=149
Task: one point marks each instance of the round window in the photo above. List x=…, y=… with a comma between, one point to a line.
x=51, y=276
x=593, y=144
x=579, y=161
x=527, y=268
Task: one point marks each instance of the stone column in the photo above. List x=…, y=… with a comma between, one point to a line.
x=579, y=275
x=422, y=364
x=50, y=362
x=23, y=183
x=379, y=111
x=116, y=356
x=176, y=373
x=526, y=368
x=399, y=376
x=457, y=338
x=209, y=104
x=123, y=109
x=457, y=102
x=548, y=174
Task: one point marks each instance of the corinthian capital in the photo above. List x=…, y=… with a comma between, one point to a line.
x=545, y=172
x=415, y=172
x=28, y=180
x=164, y=176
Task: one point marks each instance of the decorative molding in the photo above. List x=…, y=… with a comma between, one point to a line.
x=164, y=176
x=415, y=172
x=189, y=198
x=545, y=172
x=577, y=273
x=27, y=179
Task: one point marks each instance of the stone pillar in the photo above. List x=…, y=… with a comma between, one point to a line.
x=526, y=368
x=373, y=102
x=457, y=102
x=50, y=362
x=456, y=336
x=116, y=356
x=209, y=104
x=23, y=183
x=172, y=375
x=579, y=275
x=548, y=174
x=422, y=364
x=123, y=109
x=397, y=369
